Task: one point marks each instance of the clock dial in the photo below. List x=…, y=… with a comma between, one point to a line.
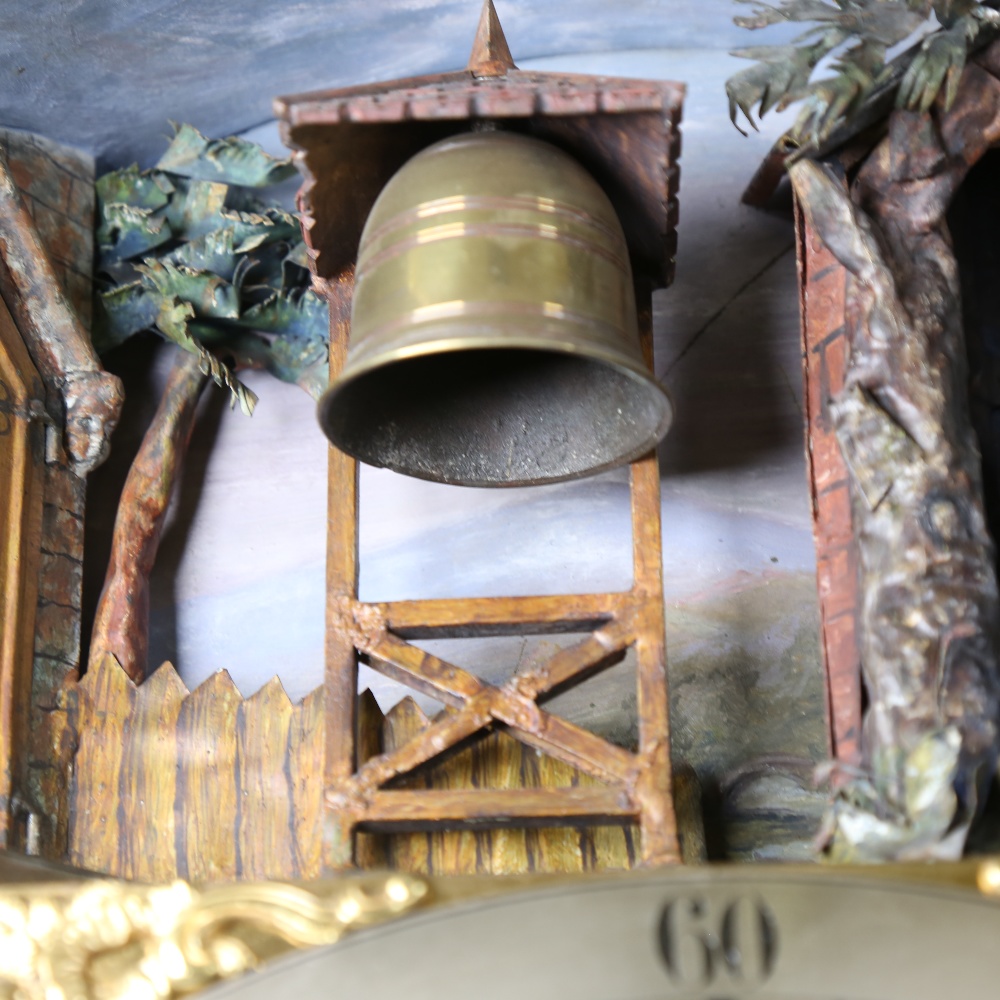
x=691, y=934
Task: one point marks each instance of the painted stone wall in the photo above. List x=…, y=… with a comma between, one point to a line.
x=825, y=348
x=57, y=185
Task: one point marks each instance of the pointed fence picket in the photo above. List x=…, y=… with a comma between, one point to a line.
x=211, y=786
x=205, y=785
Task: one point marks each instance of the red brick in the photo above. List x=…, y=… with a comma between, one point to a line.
x=64, y=489
x=80, y=292
x=837, y=580
x=836, y=362
x=441, y=104
x=62, y=532
x=64, y=239
x=818, y=416
x=38, y=176
x=844, y=678
x=47, y=680
x=828, y=463
x=60, y=580
x=834, y=524
x=81, y=203
x=46, y=786
x=57, y=633
x=825, y=297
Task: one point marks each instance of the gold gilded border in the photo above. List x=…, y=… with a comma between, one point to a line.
x=111, y=940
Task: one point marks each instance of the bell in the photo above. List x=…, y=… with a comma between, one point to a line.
x=494, y=339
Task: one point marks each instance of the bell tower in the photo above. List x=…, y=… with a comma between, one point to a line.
x=350, y=143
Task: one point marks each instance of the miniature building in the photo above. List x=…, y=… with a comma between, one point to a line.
x=889, y=261
x=56, y=409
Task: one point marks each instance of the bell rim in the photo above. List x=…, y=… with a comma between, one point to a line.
x=638, y=373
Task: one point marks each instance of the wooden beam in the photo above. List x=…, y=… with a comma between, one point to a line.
x=422, y=671
x=445, y=732
x=341, y=672
x=491, y=616
x=575, y=664
x=436, y=808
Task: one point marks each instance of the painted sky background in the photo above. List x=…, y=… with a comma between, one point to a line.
x=106, y=75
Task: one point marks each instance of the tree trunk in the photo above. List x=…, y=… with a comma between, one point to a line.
x=121, y=625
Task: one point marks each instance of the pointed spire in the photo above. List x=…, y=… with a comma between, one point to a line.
x=490, y=54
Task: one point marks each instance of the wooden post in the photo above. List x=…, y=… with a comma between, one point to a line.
x=628, y=787
x=341, y=677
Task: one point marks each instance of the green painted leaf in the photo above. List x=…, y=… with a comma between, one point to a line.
x=295, y=269
x=298, y=360
x=123, y=312
x=173, y=321
x=299, y=255
x=125, y=231
x=217, y=263
x=212, y=252
x=254, y=229
x=209, y=294
x=302, y=360
x=300, y=313
x=135, y=187
x=266, y=265
x=231, y=160
x=196, y=209
x=199, y=208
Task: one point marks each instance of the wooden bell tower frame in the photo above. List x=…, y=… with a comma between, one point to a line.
x=350, y=142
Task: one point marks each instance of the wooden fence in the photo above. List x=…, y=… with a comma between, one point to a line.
x=204, y=785
x=209, y=786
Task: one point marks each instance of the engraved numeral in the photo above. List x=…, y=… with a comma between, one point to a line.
x=704, y=945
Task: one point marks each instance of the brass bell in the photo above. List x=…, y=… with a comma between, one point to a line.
x=493, y=333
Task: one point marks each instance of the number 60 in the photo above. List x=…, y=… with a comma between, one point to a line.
x=702, y=944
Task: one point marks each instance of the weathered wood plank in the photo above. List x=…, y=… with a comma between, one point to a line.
x=499, y=760
x=422, y=671
x=105, y=713
x=603, y=649
x=341, y=673
x=264, y=799
x=206, y=804
x=446, y=619
x=553, y=848
x=21, y=484
x=605, y=848
x=408, y=852
x=446, y=730
x=306, y=744
x=576, y=747
x=430, y=808
x=371, y=850
x=148, y=783
x=457, y=852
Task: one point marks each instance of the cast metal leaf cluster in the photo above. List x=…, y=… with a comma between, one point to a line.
x=190, y=251
x=856, y=34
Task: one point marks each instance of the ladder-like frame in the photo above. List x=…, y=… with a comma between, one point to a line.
x=637, y=787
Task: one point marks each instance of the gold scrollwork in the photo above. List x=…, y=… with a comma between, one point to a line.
x=107, y=940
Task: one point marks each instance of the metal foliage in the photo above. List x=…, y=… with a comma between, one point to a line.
x=192, y=251
x=857, y=34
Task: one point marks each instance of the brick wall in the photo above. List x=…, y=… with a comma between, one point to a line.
x=57, y=185
x=825, y=349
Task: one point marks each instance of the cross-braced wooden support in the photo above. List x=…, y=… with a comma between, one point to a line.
x=349, y=143
x=636, y=787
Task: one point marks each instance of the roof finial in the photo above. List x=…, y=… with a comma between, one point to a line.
x=490, y=54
